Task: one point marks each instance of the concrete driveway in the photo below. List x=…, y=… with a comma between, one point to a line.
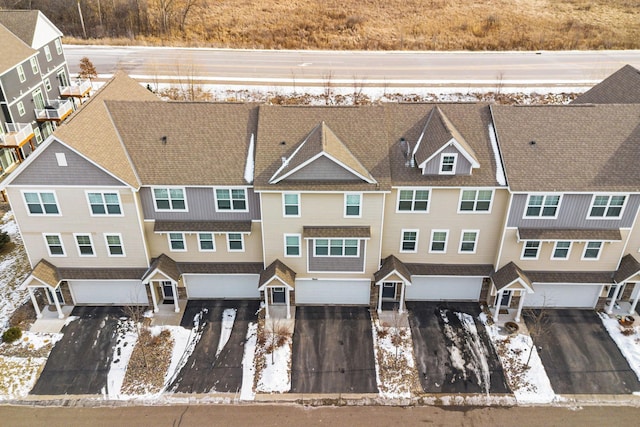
x=333, y=351
x=452, y=349
x=205, y=372
x=579, y=355
x=80, y=361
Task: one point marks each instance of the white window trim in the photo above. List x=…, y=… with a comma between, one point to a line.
x=213, y=240
x=34, y=65
x=93, y=247
x=455, y=163
x=475, y=242
x=246, y=199
x=586, y=245
x=106, y=242
x=38, y=135
x=184, y=240
x=474, y=211
x=284, y=211
x=105, y=204
x=241, y=240
x=524, y=247
x=359, y=205
x=606, y=218
x=446, y=242
x=58, y=44
x=47, y=84
x=555, y=246
x=64, y=251
x=21, y=75
x=357, y=255
x=408, y=230
x=544, y=195
x=26, y=206
x=20, y=108
x=47, y=53
x=299, y=245
x=413, y=200
x=155, y=205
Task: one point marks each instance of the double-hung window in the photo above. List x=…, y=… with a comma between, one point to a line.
x=291, y=204
x=58, y=46
x=34, y=65
x=413, y=201
x=21, y=74
x=114, y=244
x=409, y=241
x=542, y=206
x=476, y=200
x=170, y=199
x=235, y=242
x=292, y=245
x=607, y=207
x=448, y=164
x=336, y=247
x=206, y=242
x=54, y=244
x=47, y=53
x=234, y=199
x=352, y=205
x=104, y=203
x=592, y=250
x=21, y=110
x=561, y=250
x=439, y=240
x=84, y=244
x=177, y=242
x=41, y=202
x=468, y=241
x=531, y=249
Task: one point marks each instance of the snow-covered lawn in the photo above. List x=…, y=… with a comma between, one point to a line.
x=14, y=268
x=396, y=372
x=273, y=358
x=529, y=382
x=628, y=342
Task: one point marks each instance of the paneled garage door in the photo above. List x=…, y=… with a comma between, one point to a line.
x=338, y=292
x=203, y=286
x=108, y=292
x=444, y=289
x=563, y=295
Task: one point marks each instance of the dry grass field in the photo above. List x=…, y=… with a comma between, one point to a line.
x=409, y=25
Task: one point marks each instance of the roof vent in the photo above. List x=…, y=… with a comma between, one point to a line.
x=406, y=152
x=283, y=142
x=532, y=143
x=164, y=140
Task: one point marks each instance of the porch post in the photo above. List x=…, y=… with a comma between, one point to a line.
x=635, y=301
x=497, y=307
x=401, y=307
x=57, y=303
x=520, y=304
x=380, y=286
x=266, y=302
x=613, y=298
x=174, y=289
x=286, y=298
x=37, y=309
x=154, y=297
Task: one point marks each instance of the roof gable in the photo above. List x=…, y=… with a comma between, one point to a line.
x=13, y=51
x=621, y=87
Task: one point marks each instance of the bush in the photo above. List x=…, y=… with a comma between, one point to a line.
x=12, y=334
x=4, y=238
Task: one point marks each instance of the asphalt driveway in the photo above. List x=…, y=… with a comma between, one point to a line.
x=579, y=355
x=204, y=371
x=80, y=361
x=333, y=350
x=452, y=349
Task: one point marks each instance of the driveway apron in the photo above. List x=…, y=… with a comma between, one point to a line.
x=333, y=350
x=80, y=361
x=453, y=351
x=579, y=356
x=204, y=372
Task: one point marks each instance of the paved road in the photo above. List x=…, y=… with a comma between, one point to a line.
x=80, y=361
x=579, y=356
x=333, y=351
x=204, y=371
x=388, y=69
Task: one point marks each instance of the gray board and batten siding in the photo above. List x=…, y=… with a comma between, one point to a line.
x=336, y=263
x=463, y=167
x=322, y=169
x=44, y=170
x=201, y=205
x=573, y=213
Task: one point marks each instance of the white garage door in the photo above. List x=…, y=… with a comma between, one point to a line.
x=444, y=289
x=563, y=295
x=108, y=292
x=338, y=292
x=205, y=286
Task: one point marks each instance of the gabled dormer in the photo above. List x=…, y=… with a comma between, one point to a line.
x=321, y=156
x=442, y=150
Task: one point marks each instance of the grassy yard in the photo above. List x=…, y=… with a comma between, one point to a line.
x=408, y=25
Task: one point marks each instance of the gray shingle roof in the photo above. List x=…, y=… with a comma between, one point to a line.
x=22, y=23
x=629, y=266
x=389, y=265
x=569, y=234
x=476, y=270
x=332, y=231
x=508, y=274
x=161, y=226
x=101, y=273
x=278, y=269
x=13, y=51
x=570, y=276
x=621, y=87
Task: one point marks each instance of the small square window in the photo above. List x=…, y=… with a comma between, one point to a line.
x=41, y=203
x=607, y=207
x=231, y=199
x=476, y=200
x=321, y=247
x=206, y=242
x=104, y=203
x=542, y=206
x=448, y=164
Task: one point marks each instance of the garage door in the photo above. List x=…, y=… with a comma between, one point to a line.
x=203, y=286
x=108, y=292
x=444, y=289
x=563, y=295
x=335, y=292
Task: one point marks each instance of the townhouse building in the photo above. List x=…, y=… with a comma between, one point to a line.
x=36, y=92
x=138, y=201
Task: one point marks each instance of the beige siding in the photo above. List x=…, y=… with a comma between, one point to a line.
x=319, y=209
x=443, y=215
x=609, y=255
x=76, y=218
x=159, y=244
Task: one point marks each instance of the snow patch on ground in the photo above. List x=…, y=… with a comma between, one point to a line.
x=191, y=340
x=273, y=358
x=248, y=363
x=228, y=317
x=14, y=268
x=127, y=336
x=181, y=342
x=629, y=345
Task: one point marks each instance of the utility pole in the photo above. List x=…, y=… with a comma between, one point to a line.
x=84, y=30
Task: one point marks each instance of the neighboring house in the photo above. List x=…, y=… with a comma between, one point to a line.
x=138, y=201
x=35, y=90
x=621, y=87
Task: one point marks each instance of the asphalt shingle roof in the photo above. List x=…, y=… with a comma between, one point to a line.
x=621, y=87
x=13, y=51
x=22, y=23
x=280, y=270
x=629, y=266
x=569, y=234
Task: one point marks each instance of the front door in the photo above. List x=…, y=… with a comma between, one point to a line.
x=38, y=99
x=167, y=291
x=58, y=294
x=389, y=290
x=278, y=295
x=506, y=299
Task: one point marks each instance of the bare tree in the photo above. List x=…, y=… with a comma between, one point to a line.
x=539, y=327
x=328, y=87
x=87, y=69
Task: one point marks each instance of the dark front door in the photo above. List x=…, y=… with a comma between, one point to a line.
x=167, y=291
x=277, y=295
x=506, y=299
x=389, y=291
